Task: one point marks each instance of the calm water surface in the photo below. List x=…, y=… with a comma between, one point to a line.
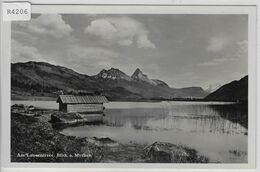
x=204, y=126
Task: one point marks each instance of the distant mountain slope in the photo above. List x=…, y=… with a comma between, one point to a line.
x=160, y=83
x=233, y=91
x=194, y=91
x=39, y=77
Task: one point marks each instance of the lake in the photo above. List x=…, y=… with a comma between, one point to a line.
x=214, y=129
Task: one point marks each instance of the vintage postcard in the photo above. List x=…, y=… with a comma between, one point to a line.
x=140, y=85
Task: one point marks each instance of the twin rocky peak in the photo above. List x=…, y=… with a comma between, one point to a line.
x=138, y=75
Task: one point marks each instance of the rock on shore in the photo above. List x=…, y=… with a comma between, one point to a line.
x=163, y=152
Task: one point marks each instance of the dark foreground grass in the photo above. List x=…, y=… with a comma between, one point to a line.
x=34, y=140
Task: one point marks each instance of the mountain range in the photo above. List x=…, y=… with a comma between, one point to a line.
x=35, y=78
x=233, y=91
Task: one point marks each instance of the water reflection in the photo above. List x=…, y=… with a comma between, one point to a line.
x=217, y=130
x=237, y=113
x=188, y=118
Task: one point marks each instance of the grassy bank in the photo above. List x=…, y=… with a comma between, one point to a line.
x=34, y=140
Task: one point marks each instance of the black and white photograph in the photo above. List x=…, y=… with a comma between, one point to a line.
x=130, y=88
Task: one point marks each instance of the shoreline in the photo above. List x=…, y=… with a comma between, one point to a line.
x=48, y=98
x=33, y=139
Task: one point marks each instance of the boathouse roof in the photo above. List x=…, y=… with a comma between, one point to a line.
x=71, y=99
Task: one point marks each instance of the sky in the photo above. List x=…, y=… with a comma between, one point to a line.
x=180, y=49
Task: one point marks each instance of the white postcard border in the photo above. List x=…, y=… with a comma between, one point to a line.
x=119, y=9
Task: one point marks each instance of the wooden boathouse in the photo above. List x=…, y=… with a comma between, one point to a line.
x=82, y=104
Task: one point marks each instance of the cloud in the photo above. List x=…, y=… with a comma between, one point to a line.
x=237, y=75
x=207, y=64
x=24, y=36
x=91, y=52
x=120, y=30
x=221, y=60
x=216, y=61
x=186, y=74
x=48, y=24
x=23, y=53
x=243, y=45
x=144, y=42
x=95, y=58
x=211, y=87
x=217, y=43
